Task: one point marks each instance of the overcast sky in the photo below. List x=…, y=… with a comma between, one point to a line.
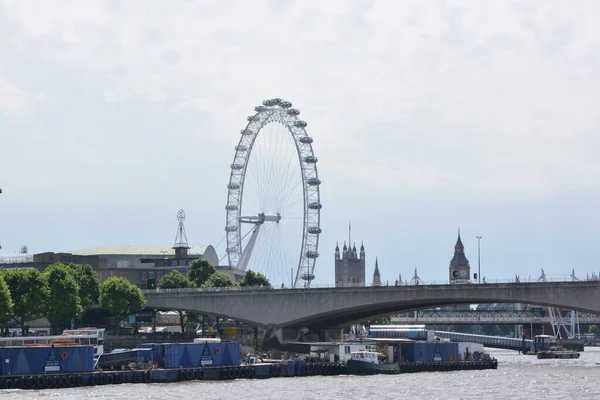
x=426, y=116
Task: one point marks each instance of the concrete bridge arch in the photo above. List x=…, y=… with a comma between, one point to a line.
x=331, y=307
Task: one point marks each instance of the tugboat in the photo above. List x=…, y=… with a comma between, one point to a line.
x=367, y=362
x=545, y=347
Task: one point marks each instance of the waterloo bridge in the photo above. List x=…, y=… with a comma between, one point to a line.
x=321, y=308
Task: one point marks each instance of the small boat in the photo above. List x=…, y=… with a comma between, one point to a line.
x=367, y=362
x=557, y=354
x=545, y=347
x=117, y=358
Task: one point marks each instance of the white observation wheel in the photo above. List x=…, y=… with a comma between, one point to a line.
x=273, y=201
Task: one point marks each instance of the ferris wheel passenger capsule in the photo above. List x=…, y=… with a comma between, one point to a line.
x=253, y=118
x=276, y=100
x=311, y=159
x=231, y=228
x=247, y=132
x=231, y=207
x=312, y=254
x=260, y=108
x=315, y=230
x=305, y=139
x=293, y=111
x=233, y=186
x=241, y=147
x=308, y=277
x=300, y=124
x=313, y=181
x=315, y=205
x=237, y=166
x=285, y=104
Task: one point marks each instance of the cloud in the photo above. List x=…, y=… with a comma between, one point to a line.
x=505, y=80
x=15, y=102
x=493, y=102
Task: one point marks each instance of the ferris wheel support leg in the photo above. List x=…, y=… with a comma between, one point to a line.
x=245, y=258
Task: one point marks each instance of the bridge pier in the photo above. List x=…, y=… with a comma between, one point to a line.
x=277, y=338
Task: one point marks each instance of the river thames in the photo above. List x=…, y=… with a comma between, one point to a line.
x=517, y=377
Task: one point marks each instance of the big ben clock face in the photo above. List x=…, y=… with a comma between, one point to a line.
x=462, y=273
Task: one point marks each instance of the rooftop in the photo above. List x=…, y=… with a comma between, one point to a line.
x=138, y=250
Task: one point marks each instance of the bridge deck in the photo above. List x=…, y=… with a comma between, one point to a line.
x=333, y=307
x=486, y=317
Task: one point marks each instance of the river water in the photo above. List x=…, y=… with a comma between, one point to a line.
x=517, y=377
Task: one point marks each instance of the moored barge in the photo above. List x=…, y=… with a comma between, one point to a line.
x=58, y=365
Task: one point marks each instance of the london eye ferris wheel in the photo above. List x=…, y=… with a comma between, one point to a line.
x=273, y=199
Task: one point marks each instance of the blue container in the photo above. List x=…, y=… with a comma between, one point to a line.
x=429, y=351
x=424, y=351
x=50, y=359
x=193, y=355
x=224, y=353
x=172, y=355
x=408, y=351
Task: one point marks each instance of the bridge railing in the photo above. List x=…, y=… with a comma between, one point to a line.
x=331, y=286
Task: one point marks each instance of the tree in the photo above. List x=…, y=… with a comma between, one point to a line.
x=593, y=329
x=29, y=292
x=176, y=280
x=387, y=320
x=89, y=284
x=218, y=279
x=121, y=297
x=63, y=295
x=200, y=271
x=252, y=278
x=6, y=304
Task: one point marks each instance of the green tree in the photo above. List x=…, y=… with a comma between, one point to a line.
x=200, y=271
x=252, y=278
x=6, y=304
x=29, y=292
x=176, y=280
x=593, y=329
x=63, y=297
x=121, y=297
x=89, y=284
x=218, y=279
x=387, y=320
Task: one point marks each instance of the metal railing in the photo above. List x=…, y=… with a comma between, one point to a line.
x=340, y=286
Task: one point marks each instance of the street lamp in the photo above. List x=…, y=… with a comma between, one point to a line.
x=154, y=321
x=478, y=259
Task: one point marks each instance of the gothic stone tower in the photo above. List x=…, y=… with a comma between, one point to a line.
x=376, y=275
x=460, y=270
x=350, y=267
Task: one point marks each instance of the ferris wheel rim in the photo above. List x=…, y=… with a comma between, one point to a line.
x=276, y=111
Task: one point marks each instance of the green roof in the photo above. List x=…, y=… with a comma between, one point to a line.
x=136, y=250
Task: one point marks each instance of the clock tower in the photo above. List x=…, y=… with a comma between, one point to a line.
x=460, y=270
